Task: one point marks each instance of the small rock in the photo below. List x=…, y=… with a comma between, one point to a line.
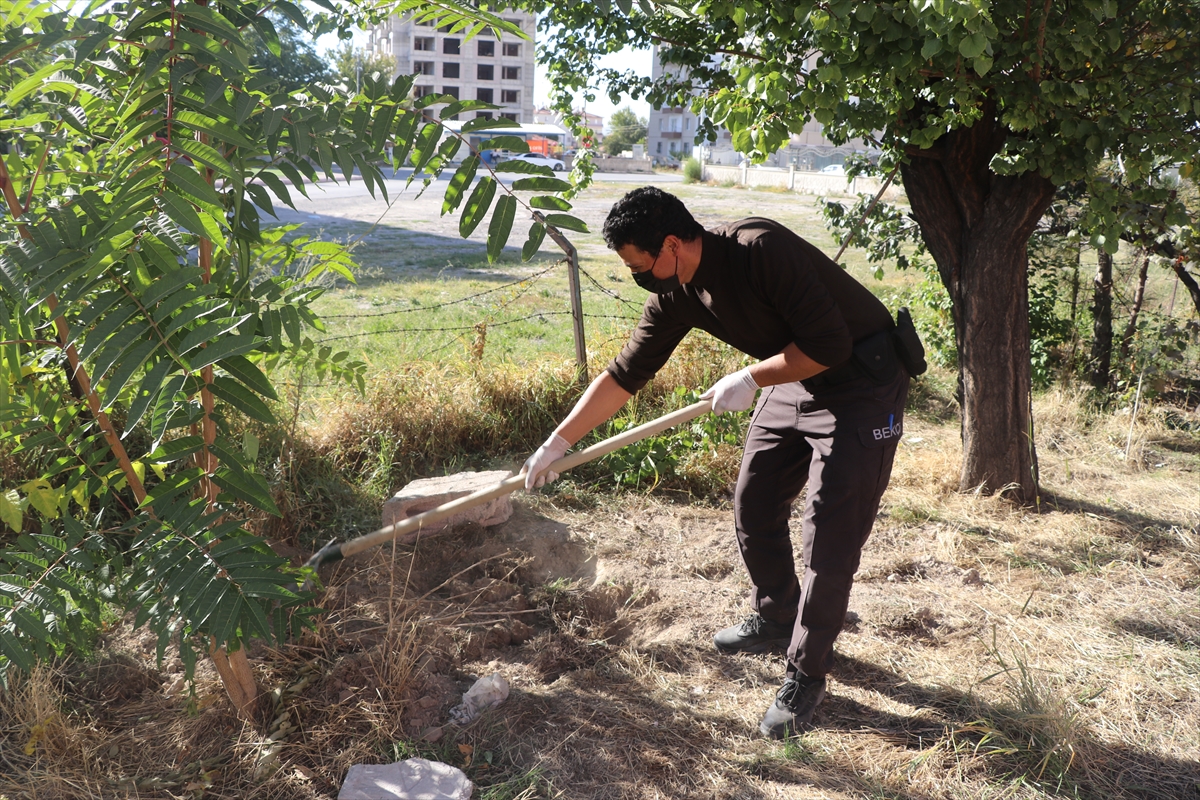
x=972, y=578
x=432, y=734
x=413, y=779
x=487, y=693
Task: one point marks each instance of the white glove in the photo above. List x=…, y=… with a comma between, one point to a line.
x=734, y=392
x=536, y=470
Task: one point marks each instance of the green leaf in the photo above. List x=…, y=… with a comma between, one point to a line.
x=128, y=364
x=242, y=399
x=514, y=143
x=248, y=373
x=225, y=347
x=190, y=184
x=537, y=232
x=931, y=48
x=983, y=64
x=204, y=154
x=10, y=510
x=524, y=168
x=549, y=202
x=462, y=179
x=501, y=226
x=426, y=145
x=213, y=127
x=973, y=45
x=247, y=487
x=477, y=206
x=277, y=187
x=567, y=222
x=181, y=213
x=43, y=497
x=484, y=124
x=541, y=184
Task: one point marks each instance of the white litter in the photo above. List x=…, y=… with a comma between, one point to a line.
x=412, y=779
x=487, y=693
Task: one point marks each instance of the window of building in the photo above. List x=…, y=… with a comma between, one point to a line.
x=514, y=116
x=511, y=73
x=426, y=24
x=450, y=46
x=483, y=115
x=423, y=43
x=487, y=47
x=423, y=67
x=422, y=91
x=512, y=49
x=658, y=149
x=450, y=90
x=484, y=94
x=450, y=69
x=485, y=72
x=512, y=21
x=510, y=96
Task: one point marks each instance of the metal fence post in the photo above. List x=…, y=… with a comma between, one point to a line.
x=576, y=296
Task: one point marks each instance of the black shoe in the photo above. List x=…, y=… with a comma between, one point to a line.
x=754, y=635
x=791, y=713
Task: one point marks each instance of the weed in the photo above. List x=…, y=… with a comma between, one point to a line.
x=1033, y=735
x=526, y=786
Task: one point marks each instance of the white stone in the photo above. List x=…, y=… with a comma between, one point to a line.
x=427, y=494
x=412, y=779
x=487, y=693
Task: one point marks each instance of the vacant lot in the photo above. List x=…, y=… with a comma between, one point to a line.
x=991, y=652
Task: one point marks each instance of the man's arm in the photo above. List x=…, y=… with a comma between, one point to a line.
x=787, y=366
x=736, y=391
x=601, y=400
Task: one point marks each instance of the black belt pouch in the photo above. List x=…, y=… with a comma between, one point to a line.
x=876, y=357
x=908, y=343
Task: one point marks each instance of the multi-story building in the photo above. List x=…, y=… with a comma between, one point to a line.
x=498, y=71
x=673, y=132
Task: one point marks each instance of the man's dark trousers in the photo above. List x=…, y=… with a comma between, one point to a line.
x=840, y=440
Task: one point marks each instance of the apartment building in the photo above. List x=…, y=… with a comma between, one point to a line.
x=673, y=132
x=498, y=71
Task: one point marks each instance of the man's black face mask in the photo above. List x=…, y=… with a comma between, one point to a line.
x=647, y=281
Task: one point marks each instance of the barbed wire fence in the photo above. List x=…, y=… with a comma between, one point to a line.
x=508, y=293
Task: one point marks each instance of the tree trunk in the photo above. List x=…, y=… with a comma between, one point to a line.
x=976, y=225
x=1139, y=294
x=1102, y=321
x=1188, y=281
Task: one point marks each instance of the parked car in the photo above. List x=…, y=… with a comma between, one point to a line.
x=833, y=169
x=555, y=164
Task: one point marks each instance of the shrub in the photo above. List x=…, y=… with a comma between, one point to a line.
x=693, y=172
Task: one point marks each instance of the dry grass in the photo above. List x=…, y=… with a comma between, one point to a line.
x=992, y=652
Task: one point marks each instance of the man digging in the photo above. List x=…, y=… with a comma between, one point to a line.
x=830, y=413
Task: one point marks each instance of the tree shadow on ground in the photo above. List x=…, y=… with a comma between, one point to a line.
x=1094, y=769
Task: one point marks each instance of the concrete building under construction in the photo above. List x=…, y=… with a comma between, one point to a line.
x=498, y=71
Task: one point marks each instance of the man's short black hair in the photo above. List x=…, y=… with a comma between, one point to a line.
x=647, y=216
